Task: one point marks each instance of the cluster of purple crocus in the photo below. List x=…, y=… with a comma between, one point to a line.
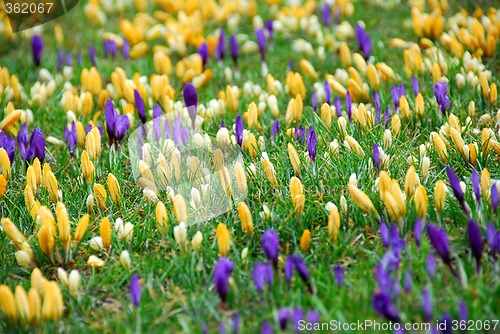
x=31, y=147
x=363, y=39
x=441, y=94
x=116, y=125
x=296, y=315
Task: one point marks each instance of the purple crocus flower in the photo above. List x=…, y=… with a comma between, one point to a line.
x=418, y=228
x=37, y=49
x=491, y=236
x=270, y=245
x=463, y=313
x=475, y=241
x=476, y=185
x=262, y=274
x=395, y=96
x=203, y=52
x=387, y=116
x=135, y=290
x=157, y=122
x=125, y=50
x=284, y=314
x=289, y=269
x=457, y=190
x=269, y=25
x=384, y=234
x=275, y=129
x=383, y=306
x=222, y=328
x=440, y=242
x=314, y=101
x=9, y=143
x=441, y=94
x=297, y=316
x=363, y=39
x=238, y=130
x=376, y=156
x=430, y=265
x=222, y=124
x=348, y=105
x=233, y=47
x=110, y=115
x=222, y=271
x=494, y=198
x=260, y=36
x=338, y=106
x=414, y=85
x=60, y=59
x=37, y=144
x=70, y=137
x=112, y=48
x=68, y=59
x=92, y=55
x=139, y=105
x=338, y=271
x=184, y=132
x=376, y=102
x=166, y=129
x=266, y=328
x=446, y=324
x=326, y=15
x=191, y=101
x=313, y=317
x=328, y=93
x=311, y=145
x=122, y=124
x=236, y=323
x=427, y=305
x=301, y=268
x=407, y=281
x=222, y=44
x=79, y=58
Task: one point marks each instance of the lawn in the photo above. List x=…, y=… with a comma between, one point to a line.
x=382, y=210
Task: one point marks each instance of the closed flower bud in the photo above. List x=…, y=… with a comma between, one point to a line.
x=114, y=189
x=334, y=223
x=90, y=203
x=63, y=224
x=305, y=240
x=223, y=239
x=81, y=227
x=197, y=240
x=100, y=196
x=245, y=218
x=95, y=262
x=421, y=201
x=52, y=308
x=404, y=107
x=74, y=281
x=440, y=146
x=241, y=178
x=22, y=304
x=354, y=145
x=411, y=181
x=34, y=303
x=8, y=303
x=363, y=201
x=269, y=170
x=125, y=259
x=485, y=184
x=52, y=186
x=440, y=195
x=5, y=163
x=180, y=210
x=24, y=259
x=180, y=234
x=419, y=105
x=326, y=115
x=13, y=233
x=161, y=216
x=105, y=233
x=387, y=139
x=294, y=159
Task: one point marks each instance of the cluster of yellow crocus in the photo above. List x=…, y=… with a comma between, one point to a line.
x=294, y=110
x=43, y=302
x=392, y=196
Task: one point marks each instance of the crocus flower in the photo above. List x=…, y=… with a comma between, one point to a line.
x=348, y=105
x=191, y=101
x=440, y=242
x=297, y=316
x=275, y=129
x=238, y=130
x=236, y=323
x=92, y=55
x=338, y=106
x=311, y=145
x=122, y=124
x=300, y=266
x=476, y=185
x=414, y=85
x=70, y=137
x=68, y=59
x=270, y=245
x=441, y=94
x=463, y=313
x=408, y=281
x=384, y=234
x=135, y=290
x=491, y=236
x=446, y=324
x=494, y=198
x=269, y=25
x=203, y=52
x=326, y=15
x=339, y=275
x=289, y=269
x=313, y=317
x=37, y=144
x=430, y=265
x=9, y=143
x=260, y=36
x=139, y=105
x=110, y=115
x=37, y=49
x=284, y=314
x=383, y=306
x=427, y=305
x=395, y=94
x=475, y=241
x=457, y=190
x=60, y=59
x=266, y=328
x=222, y=271
x=363, y=39
x=376, y=102
x=220, y=48
x=314, y=101
x=262, y=274
x=328, y=93
x=125, y=50
x=157, y=122
x=387, y=116
x=233, y=47
x=418, y=228
x=376, y=156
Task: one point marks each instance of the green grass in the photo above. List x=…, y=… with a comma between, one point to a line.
x=178, y=292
